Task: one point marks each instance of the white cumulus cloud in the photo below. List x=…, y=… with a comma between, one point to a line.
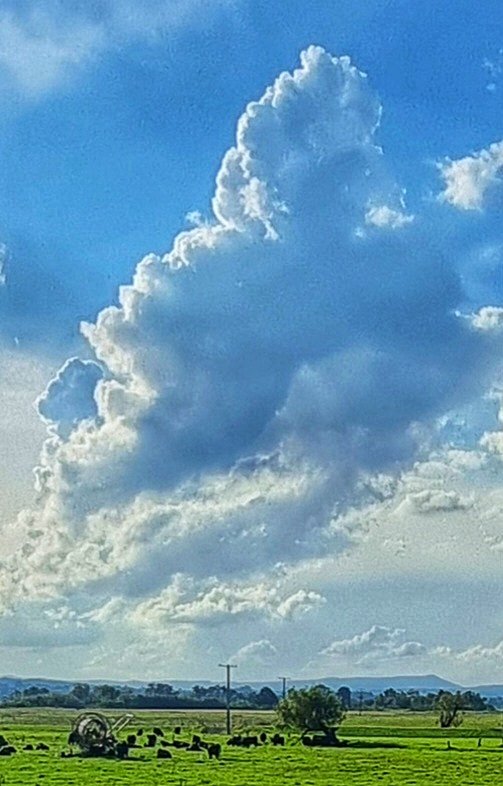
x=379, y=643
x=256, y=653
x=252, y=380
x=469, y=179
x=384, y=216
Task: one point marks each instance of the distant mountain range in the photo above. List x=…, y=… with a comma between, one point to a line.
x=424, y=683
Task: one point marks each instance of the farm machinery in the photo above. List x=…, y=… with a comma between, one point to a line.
x=94, y=735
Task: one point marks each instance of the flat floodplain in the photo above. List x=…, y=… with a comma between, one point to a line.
x=392, y=748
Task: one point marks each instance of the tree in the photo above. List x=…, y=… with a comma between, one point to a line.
x=344, y=693
x=311, y=709
x=448, y=706
x=106, y=695
x=266, y=698
x=82, y=692
x=159, y=689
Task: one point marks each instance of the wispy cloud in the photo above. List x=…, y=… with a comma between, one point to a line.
x=44, y=45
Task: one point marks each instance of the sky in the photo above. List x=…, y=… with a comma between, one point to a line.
x=251, y=323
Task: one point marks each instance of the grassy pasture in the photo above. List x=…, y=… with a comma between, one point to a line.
x=394, y=749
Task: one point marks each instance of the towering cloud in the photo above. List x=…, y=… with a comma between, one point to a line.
x=301, y=337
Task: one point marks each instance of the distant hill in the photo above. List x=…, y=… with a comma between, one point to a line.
x=10, y=684
x=423, y=683
x=489, y=690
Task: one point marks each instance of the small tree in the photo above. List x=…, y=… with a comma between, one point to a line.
x=311, y=709
x=344, y=693
x=449, y=706
x=266, y=698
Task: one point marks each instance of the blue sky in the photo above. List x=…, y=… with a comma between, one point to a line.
x=288, y=423
x=105, y=163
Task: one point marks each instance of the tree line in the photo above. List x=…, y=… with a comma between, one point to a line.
x=391, y=699
x=158, y=695
x=154, y=696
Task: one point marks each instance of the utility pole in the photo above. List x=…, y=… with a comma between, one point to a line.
x=228, y=667
x=283, y=680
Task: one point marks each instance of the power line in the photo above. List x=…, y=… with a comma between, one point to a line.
x=228, y=667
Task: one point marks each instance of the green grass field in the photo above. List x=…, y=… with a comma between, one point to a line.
x=385, y=748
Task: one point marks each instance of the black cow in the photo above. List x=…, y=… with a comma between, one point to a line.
x=214, y=750
x=122, y=750
x=249, y=742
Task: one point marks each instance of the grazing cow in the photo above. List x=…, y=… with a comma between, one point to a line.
x=122, y=750
x=139, y=732
x=320, y=741
x=277, y=739
x=7, y=750
x=131, y=740
x=158, y=731
x=249, y=742
x=180, y=744
x=235, y=740
x=151, y=741
x=162, y=753
x=42, y=747
x=214, y=750
x=29, y=747
x=165, y=743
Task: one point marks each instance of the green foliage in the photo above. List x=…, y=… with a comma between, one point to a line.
x=449, y=706
x=392, y=699
x=311, y=709
x=156, y=695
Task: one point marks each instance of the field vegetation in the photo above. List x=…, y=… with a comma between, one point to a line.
x=395, y=748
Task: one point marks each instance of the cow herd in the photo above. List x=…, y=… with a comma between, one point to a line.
x=6, y=749
x=196, y=745
x=157, y=739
